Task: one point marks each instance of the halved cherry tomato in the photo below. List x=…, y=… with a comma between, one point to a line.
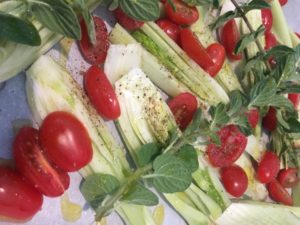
x=253, y=117
x=183, y=107
x=126, y=21
x=184, y=14
x=32, y=164
x=268, y=167
x=18, y=199
x=233, y=144
x=267, y=19
x=283, y=2
x=295, y=99
x=65, y=141
x=288, y=178
x=279, y=194
x=170, y=28
x=217, y=53
x=269, y=121
x=94, y=54
x=101, y=93
x=230, y=36
x=234, y=180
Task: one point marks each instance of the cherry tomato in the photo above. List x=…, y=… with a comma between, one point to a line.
x=33, y=165
x=234, y=180
x=217, y=53
x=283, y=2
x=126, y=21
x=65, y=141
x=184, y=14
x=101, y=93
x=230, y=36
x=295, y=99
x=94, y=54
x=183, y=107
x=268, y=167
x=18, y=199
x=269, y=121
x=171, y=29
x=267, y=19
x=271, y=40
x=253, y=117
x=297, y=34
x=288, y=178
x=233, y=144
x=279, y=194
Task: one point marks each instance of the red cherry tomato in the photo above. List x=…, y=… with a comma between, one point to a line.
x=183, y=107
x=271, y=40
x=230, y=36
x=297, y=34
x=269, y=121
x=234, y=180
x=32, y=164
x=267, y=19
x=253, y=117
x=171, y=29
x=295, y=99
x=279, y=194
x=184, y=14
x=94, y=54
x=65, y=141
x=101, y=93
x=268, y=167
x=18, y=199
x=283, y=2
x=233, y=144
x=126, y=21
x=288, y=178
x=217, y=53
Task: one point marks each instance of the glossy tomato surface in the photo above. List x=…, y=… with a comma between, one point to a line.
x=288, y=178
x=126, y=21
x=101, y=93
x=183, y=107
x=217, y=54
x=267, y=19
x=66, y=141
x=269, y=121
x=94, y=53
x=234, y=180
x=233, y=144
x=33, y=165
x=170, y=28
x=268, y=167
x=279, y=194
x=295, y=99
x=253, y=117
x=283, y=2
x=18, y=199
x=271, y=40
x=183, y=15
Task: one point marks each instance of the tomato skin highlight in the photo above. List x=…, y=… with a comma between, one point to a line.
x=234, y=180
x=183, y=107
x=279, y=194
x=170, y=28
x=295, y=99
x=288, y=178
x=283, y=2
x=269, y=121
x=101, y=93
x=126, y=21
x=34, y=166
x=184, y=15
x=18, y=199
x=217, y=53
x=233, y=144
x=253, y=117
x=229, y=38
x=66, y=141
x=268, y=167
x=94, y=54
x=267, y=19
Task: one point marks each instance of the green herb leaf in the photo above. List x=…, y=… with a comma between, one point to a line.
x=195, y=124
x=223, y=19
x=140, y=195
x=219, y=116
x=114, y=5
x=262, y=93
x=256, y=64
x=279, y=50
x=189, y=155
x=289, y=87
x=58, y=16
x=215, y=138
x=255, y=4
x=199, y=2
x=170, y=174
x=141, y=10
x=237, y=101
x=147, y=153
x=18, y=30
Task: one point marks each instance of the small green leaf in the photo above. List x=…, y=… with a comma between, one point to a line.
x=223, y=19
x=140, y=195
x=279, y=50
x=215, y=138
x=256, y=63
x=237, y=101
x=147, y=153
x=262, y=93
x=255, y=4
x=280, y=101
x=195, y=124
x=18, y=30
x=170, y=174
x=219, y=116
x=114, y=5
x=198, y=2
x=58, y=16
x=141, y=10
x=289, y=87
x=189, y=155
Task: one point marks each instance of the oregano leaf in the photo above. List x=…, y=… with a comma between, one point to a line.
x=147, y=153
x=189, y=155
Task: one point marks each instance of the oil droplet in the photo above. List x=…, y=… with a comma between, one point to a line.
x=71, y=212
x=65, y=48
x=159, y=215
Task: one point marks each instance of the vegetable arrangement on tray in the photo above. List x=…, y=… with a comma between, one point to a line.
x=222, y=149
